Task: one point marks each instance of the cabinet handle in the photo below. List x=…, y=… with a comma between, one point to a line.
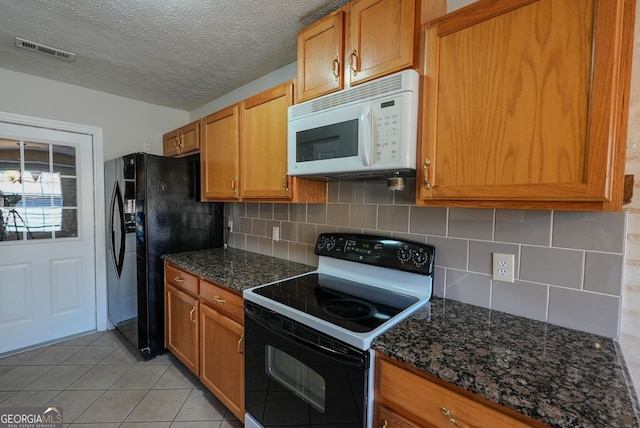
x=179, y=138
x=219, y=300
x=453, y=420
x=233, y=185
x=285, y=183
x=384, y=423
x=336, y=69
x=178, y=279
x=240, y=344
x=425, y=179
x=353, y=62
x=191, y=318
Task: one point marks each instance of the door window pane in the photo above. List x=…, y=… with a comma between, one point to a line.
x=33, y=191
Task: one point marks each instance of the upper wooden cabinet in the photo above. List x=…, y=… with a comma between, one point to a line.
x=525, y=105
x=219, y=157
x=244, y=155
x=182, y=141
x=381, y=36
x=364, y=40
x=263, y=143
x=320, y=57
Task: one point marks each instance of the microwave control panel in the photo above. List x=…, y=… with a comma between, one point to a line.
x=387, y=114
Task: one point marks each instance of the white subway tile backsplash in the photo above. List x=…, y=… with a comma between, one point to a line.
x=552, y=266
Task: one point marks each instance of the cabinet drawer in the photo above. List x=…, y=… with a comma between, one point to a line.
x=434, y=403
x=180, y=279
x=222, y=300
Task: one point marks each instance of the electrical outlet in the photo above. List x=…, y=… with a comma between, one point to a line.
x=230, y=225
x=147, y=147
x=503, y=267
x=276, y=233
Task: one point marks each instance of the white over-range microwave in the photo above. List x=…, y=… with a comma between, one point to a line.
x=368, y=130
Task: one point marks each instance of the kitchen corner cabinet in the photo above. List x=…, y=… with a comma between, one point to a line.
x=364, y=40
x=181, y=317
x=219, y=156
x=525, y=105
x=183, y=141
x=222, y=345
x=406, y=399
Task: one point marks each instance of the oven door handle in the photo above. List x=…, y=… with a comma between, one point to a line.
x=354, y=360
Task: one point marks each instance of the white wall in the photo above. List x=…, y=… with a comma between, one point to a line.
x=255, y=87
x=127, y=124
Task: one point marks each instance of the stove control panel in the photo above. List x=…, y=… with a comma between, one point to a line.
x=378, y=251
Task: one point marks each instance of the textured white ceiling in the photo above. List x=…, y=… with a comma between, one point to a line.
x=175, y=53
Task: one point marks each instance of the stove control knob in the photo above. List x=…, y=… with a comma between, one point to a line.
x=322, y=242
x=331, y=242
x=420, y=258
x=404, y=254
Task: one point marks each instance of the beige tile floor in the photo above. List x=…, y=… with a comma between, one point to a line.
x=101, y=382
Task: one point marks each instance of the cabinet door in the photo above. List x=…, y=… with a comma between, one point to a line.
x=170, y=143
x=183, y=141
x=219, y=155
x=320, y=48
x=264, y=144
x=381, y=38
x=190, y=137
x=181, y=327
x=522, y=103
x=222, y=359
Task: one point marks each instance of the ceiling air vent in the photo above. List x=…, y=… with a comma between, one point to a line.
x=46, y=50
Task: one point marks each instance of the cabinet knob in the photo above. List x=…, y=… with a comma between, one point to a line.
x=453, y=420
x=353, y=62
x=425, y=177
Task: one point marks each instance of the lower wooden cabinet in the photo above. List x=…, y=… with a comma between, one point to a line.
x=406, y=399
x=204, y=329
x=222, y=358
x=181, y=327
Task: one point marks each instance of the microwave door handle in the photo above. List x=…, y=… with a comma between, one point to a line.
x=365, y=135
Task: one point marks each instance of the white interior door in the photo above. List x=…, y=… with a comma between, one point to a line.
x=47, y=267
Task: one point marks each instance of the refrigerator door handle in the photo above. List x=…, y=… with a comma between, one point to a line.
x=116, y=199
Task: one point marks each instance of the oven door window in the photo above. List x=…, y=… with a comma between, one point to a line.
x=292, y=382
x=296, y=376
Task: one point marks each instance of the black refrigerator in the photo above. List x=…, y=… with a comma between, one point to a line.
x=153, y=208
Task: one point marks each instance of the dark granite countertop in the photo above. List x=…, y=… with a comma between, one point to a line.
x=559, y=376
x=236, y=269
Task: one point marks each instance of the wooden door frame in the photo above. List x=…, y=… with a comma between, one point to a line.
x=100, y=249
